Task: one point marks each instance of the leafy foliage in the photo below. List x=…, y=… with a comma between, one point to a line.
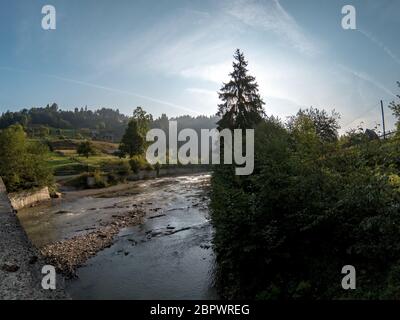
x=326, y=126
x=23, y=162
x=134, y=140
x=85, y=149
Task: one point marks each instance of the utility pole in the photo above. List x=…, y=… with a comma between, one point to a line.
x=383, y=121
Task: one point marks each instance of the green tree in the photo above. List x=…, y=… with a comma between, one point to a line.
x=43, y=131
x=134, y=140
x=325, y=125
x=242, y=106
x=85, y=149
x=23, y=163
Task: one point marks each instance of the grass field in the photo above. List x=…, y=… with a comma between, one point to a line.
x=65, y=161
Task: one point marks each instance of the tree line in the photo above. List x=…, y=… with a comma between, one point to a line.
x=40, y=120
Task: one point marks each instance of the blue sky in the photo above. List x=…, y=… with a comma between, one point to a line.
x=172, y=56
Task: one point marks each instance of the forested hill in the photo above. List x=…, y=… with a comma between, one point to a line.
x=52, y=116
x=101, y=124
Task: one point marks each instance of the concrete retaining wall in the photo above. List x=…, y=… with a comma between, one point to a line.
x=23, y=199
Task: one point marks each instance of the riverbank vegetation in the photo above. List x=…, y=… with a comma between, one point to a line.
x=23, y=162
x=315, y=203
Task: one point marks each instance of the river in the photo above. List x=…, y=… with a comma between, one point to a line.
x=168, y=256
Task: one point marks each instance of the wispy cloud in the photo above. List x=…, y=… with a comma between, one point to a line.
x=365, y=77
x=271, y=16
x=386, y=49
x=365, y=118
x=370, y=112
x=130, y=93
x=196, y=45
x=176, y=43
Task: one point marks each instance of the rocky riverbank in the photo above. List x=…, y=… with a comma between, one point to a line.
x=69, y=254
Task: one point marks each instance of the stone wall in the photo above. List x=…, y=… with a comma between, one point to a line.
x=23, y=199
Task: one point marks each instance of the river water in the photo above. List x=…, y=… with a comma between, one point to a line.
x=168, y=256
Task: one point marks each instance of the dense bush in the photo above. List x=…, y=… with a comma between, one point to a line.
x=137, y=163
x=310, y=208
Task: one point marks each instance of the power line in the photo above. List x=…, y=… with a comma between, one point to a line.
x=359, y=117
x=365, y=113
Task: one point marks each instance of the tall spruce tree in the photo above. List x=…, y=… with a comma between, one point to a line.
x=242, y=106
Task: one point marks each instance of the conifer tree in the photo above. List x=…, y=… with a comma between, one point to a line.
x=242, y=106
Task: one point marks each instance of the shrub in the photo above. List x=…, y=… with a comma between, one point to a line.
x=137, y=163
x=123, y=168
x=99, y=180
